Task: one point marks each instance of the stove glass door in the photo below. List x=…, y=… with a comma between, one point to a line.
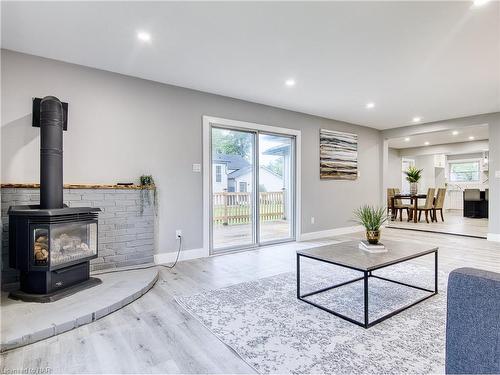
x=70, y=242
x=41, y=246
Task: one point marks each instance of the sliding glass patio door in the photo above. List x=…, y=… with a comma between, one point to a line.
x=252, y=188
x=233, y=202
x=276, y=193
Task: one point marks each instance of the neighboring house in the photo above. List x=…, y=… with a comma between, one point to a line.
x=219, y=176
x=268, y=180
x=222, y=166
x=233, y=173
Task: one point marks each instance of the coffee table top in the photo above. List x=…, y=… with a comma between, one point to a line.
x=349, y=255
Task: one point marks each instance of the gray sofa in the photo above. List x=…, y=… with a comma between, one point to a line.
x=473, y=322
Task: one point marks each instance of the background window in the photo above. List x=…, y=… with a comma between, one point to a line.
x=243, y=187
x=464, y=171
x=218, y=173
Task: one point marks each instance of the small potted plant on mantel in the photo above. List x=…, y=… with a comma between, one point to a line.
x=413, y=175
x=148, y=191
x=372, y=218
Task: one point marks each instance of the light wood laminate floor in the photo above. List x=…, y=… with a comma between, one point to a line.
x=454, y=223
x=154, y=334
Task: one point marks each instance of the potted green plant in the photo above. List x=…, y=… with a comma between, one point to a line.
x=147, y=180
x=413, y=175
x=372, y=218
x=148, y=192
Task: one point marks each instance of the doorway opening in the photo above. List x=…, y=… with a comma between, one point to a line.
x=452, y=193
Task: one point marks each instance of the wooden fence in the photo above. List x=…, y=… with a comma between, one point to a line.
x=236, y=208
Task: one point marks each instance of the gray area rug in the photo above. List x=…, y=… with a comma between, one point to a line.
x=274, y=332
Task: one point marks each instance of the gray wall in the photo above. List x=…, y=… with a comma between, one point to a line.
x=121, y=127
x=428, y=180
x=494, y=181
x=394, y=174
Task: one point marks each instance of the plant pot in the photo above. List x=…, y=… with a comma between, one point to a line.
x=373, y=236
x=414, y=188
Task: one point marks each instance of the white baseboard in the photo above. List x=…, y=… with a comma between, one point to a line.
x=163, y=258
x=494, y=237
x=331, y=232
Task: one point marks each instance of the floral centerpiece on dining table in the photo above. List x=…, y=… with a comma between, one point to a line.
x=413, y=175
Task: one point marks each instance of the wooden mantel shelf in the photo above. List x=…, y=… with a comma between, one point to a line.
x=79, y=186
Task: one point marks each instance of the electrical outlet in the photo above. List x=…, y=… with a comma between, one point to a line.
x=312, y=219
x=178, y=233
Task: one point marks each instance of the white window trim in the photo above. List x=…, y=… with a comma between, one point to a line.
x=207, y=122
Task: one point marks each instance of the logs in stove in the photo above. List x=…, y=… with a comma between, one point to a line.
x=52, y=244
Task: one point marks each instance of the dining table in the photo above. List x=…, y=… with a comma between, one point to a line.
x=413, y=201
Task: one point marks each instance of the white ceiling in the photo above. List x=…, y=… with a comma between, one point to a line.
x=437, y=60
x=479, y=132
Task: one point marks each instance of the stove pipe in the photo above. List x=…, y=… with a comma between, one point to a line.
x=51, y=153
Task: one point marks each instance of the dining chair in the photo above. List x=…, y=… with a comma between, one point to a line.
x=390, y=194
x=427, y=207
x=439, y=204
x=399, y=206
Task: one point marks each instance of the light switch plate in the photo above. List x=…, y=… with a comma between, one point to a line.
x=497, y=174
x=196, y=167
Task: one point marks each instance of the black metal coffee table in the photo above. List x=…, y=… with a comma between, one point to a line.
x=348, y=255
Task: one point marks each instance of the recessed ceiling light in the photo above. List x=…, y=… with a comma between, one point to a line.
x=144, y=36
x=370, y=105
x=407, y=139
x=290, y=82
x=417, y=119
x=478, y=3
x=471, y=138
x=455, y=132
x=427, y=143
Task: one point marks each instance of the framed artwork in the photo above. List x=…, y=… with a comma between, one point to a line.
x=338, y=155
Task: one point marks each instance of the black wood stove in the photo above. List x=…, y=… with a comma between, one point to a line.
x=52, y=244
